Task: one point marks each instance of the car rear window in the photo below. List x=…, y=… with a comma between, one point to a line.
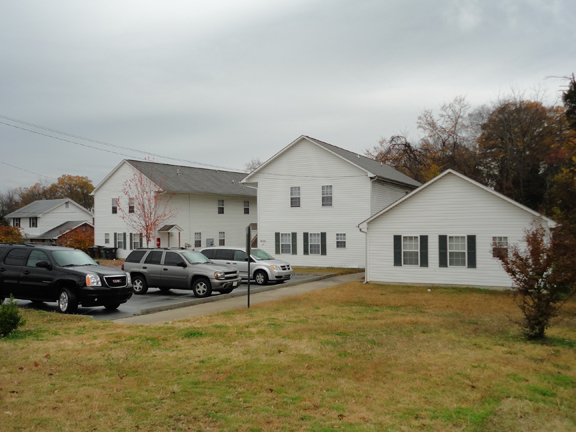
x=135, y=256
x=154, y=257
x=224, y=254
x=16, y=257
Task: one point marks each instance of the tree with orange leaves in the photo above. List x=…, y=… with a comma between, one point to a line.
x=144, y=206
x=80, y=238
x=10, y=234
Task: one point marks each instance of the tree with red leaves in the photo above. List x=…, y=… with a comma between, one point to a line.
x=144, y=206
x=543, y=275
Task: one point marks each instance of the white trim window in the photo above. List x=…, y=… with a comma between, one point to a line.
x=410, y=250
x=341, y=241
x=120, y=241
x=295, y=196
x=16, y=222
x=221, y=238
x=197, y=239
x=130, y=205
x=220, y=206
x=457, y=251
x=114, y=205
x=33, y=222
x=327, y=196
x=314, y=246
x=106, y=238
x=499, y=245
x=135, y=241
x=246, y=207
x=285, y=243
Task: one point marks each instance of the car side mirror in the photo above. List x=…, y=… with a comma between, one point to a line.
x=246, y=259
x=44, y=264
x=181, y=264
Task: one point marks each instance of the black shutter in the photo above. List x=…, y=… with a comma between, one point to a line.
x=471, y=244
x=141, y=240
x=322, y=243
x=306, y=245
x=398, y=250
x=423, y=251
x=277, y=241
x=115, y=239
x=443, y=251
x=131, y=239
x=124, y=240
x=294, y=244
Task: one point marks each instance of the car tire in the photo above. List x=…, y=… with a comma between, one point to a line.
x=260, y=277
x=67, y=302
x=202, y=287
x=139, y=285
x=226, y=291
x=112, y=306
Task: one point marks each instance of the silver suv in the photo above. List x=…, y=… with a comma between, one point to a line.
x=263, y=266
x=180, y=269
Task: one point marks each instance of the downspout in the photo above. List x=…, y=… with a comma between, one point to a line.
x=365, y=253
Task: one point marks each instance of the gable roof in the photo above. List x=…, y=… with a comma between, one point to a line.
x=185, y=179
x=41, y=207
x=463, y=177
x=61, y=229
x=372, y=167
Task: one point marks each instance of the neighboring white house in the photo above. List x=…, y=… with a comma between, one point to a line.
x=443, y=233
x=38, y=220
x=311, y=196
x=212, y=207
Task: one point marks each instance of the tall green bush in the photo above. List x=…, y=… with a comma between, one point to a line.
x=10, y=317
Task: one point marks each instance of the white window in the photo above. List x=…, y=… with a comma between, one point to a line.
x=222, y=238
x=220, y=206
x=314, y=243
x=16, y=222
x=410, y=250
x=67, y=205
x=114, y=205
x=457, y=251
x=197, y=239
x=130, y=205
x=295, y=196
x=327, y=196
x=33, y=222
x=285, y=243
x=120, y=240
x=499, y=244
x=246, y=207
x=135, y=240
x=341, y=241
x=107, y=238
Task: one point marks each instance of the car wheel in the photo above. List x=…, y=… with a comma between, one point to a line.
x=201, y=287
x=226, y=291
x=67, y=302
x=139, y=285
x=112, y=306
x=164, y=289
x=260, y=277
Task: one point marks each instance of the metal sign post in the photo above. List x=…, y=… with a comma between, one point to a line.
x=248, y=252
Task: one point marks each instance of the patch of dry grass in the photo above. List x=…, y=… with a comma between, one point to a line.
x=326, y=270
x=357, y=357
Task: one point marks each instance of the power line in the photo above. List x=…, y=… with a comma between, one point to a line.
x=31, y=172
x=99, y=142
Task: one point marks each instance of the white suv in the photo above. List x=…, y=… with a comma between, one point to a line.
x=263, y=266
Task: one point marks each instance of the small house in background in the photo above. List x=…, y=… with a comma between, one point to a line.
x=444, y=233
x=211, y=207
x=311, y=196
x=46, y=220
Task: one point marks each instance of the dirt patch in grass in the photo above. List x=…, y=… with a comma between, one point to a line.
x=357, y=357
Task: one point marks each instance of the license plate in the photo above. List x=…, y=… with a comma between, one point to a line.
x=235, y=284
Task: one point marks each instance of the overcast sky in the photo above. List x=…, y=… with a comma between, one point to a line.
x=220, y=82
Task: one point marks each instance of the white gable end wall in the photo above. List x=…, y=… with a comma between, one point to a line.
x=384, y=194
x=451, y=206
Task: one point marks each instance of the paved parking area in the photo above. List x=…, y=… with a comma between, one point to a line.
x=155, y=300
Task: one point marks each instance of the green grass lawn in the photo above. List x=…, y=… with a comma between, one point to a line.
x=357, y=357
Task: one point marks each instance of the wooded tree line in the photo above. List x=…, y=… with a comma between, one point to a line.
x=518, y=146
x=77, y=188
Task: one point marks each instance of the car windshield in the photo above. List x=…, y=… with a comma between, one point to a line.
x=195, y=257
x=68, y=258
x=260, y=254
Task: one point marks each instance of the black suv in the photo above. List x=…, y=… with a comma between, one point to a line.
x=54, y=273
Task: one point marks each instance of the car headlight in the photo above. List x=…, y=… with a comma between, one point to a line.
x=93, y=280
x=128, y=279
x=219, y=275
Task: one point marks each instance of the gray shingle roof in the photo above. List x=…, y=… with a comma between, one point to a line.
x=382, y=171
x=175, y=178
x=37, y=208
x=56, y=232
